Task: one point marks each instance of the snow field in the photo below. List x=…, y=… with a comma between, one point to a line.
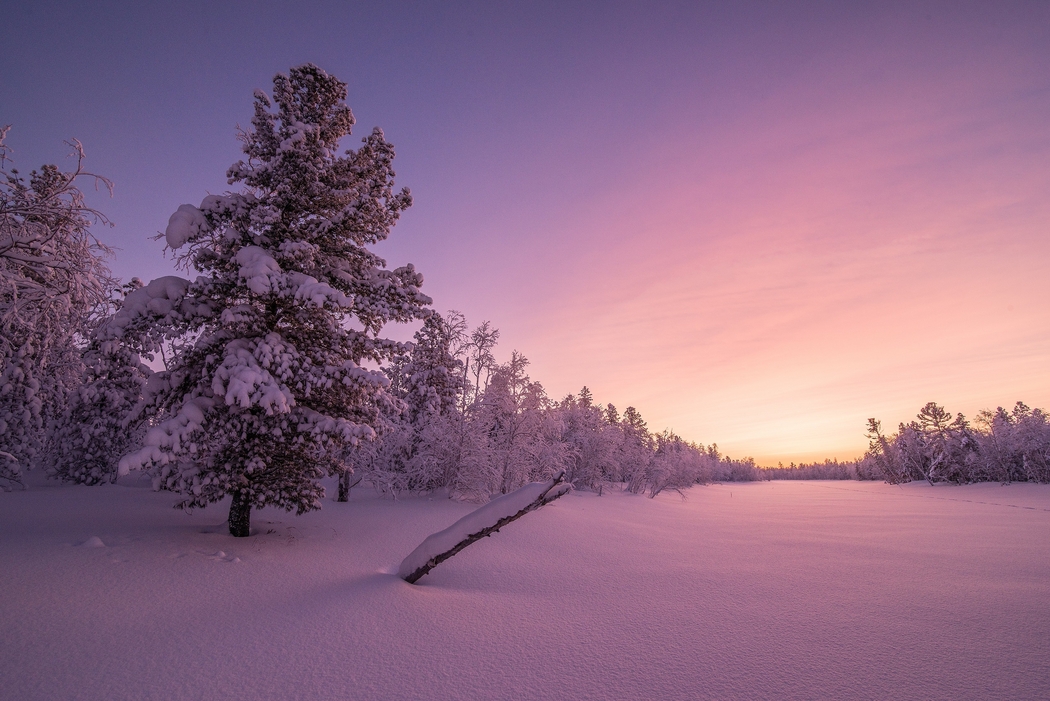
x=775, y=590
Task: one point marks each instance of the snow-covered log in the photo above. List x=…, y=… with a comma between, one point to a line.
x=480, y=523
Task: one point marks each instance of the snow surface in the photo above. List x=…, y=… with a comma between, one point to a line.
x=782, y=590
x=478, y=520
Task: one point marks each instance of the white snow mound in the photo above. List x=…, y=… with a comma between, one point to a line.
x=184, y=224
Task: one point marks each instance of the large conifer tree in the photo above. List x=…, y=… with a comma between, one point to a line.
x=266, y=382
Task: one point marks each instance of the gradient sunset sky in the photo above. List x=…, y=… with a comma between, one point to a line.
x=758, y=223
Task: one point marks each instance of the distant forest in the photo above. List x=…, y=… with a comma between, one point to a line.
x=1000, y=446
x=274, y=373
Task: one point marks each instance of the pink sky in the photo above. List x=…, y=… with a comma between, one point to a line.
x=760, y=225
x=866, y=236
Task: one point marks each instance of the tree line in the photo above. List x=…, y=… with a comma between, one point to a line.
x=268, y=369
x=999, y=446
x=475, y=427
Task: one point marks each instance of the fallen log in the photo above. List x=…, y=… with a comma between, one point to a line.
x=479, y=524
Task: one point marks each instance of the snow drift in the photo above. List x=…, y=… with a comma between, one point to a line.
x=782, y=590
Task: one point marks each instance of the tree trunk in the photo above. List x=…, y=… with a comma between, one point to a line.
x=240, y=515
x=346, y=484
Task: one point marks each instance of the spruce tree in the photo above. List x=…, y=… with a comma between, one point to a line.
x=432, y=378
x=271, y=352
x=417, y=449
x=102, y=419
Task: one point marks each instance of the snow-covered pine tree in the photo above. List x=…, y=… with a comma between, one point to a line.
x=432, y=379
x=593, y=443
x=54, y=286
x=266, y=383
x=103, y=417
x=636, y=449
x=417, y=448
x=432, y=385
x=99, y=423
x=512, y=412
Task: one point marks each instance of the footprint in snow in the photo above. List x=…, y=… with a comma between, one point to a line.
x=220, y=556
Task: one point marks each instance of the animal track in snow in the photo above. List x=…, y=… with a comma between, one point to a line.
x=220, y=556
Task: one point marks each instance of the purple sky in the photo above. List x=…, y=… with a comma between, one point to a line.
x=759, y=224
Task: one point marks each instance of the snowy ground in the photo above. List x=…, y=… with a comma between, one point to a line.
x=769, y=590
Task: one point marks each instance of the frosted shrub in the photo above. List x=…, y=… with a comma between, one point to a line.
x=673, y=467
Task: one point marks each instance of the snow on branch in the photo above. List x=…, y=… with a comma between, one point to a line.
x=479, y=524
